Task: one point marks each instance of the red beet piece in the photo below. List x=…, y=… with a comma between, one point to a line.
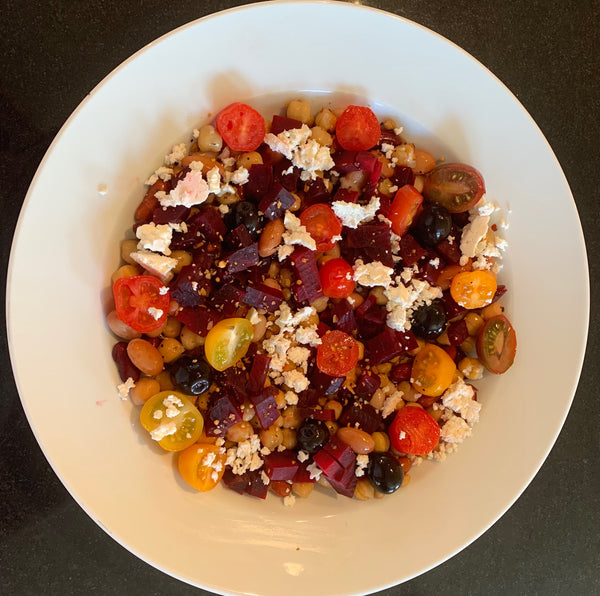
x=372, y=323
x=367, y=383
x=343, y=317
x=362, y=310
x=315, y=192
x=410, y=250
x=256, y=487
x=369, y=163
x=309, y=398
x=258, y=373
x=303, y=474
x=209, y=223
x=344, y=483
x=400, y=372
x=328, y=464
x=165, y=215
x=385, y=204
x=341, y=451
x=375, y=239
x=223, y=414
x=430, y=272
x=198, y=319
x=449, y=249
x=238, y=238
x=457, y=332
x=261, y=296
x=260, y=179
x=125, y=367
x=324, y=383
x=363, y=414
x=389, y=137
x=326, y=414
x=281, y=465
x=289, y=179
x=305, y=267
x=322, y=329
x=500, y=291
x=234, y=381
x=191, y=287
x=242, y=259
x=227, y=299
x=453, y=309
x=346, y=195
x=345, y=162
x=237, y=482
x=402, y=175
x=281, y=123
x=265, y=406
x=276, y=201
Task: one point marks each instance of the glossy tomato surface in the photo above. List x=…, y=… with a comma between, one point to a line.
x=322, y=224
x=141, y=302
x=357, y=129
x=455, y=186
x=336, y=277
x=497, y=344
x=242, y=127
x=337, y=354
x=414, y=431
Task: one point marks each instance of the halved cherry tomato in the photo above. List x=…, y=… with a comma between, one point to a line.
x=322, y=224
x=497, y=345
x=241, y=127
x=202, y=466
x=444, y=280
x=432, y=370
x=336, y=277
x=227, y=342
x=357, y=129
x=473, y=289
x=139, y=302
x=404, y=208
x=172, y=420
x=337, y=354
x=414, y=431
x=455, y=186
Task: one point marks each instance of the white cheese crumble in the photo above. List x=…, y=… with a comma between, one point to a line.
x=353, y=214
x=245, y=456
x=296, y=233
x=156, y=238
x=362, y=461
x=178, y=152
x=372, y=274
x=314, y=471
x=156, y=264
x=291, y=399
x=125, y=387
x=391, y=403
x=295, y=380
x=163, y=430
x=155, y=313
x=158, y=414
x=192, y=190
x=302, y=456
x=163, y=173
x=455, y=430
x=289, y=501
x=459, y=398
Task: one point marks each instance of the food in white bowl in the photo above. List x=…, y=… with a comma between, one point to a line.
x=308, y=300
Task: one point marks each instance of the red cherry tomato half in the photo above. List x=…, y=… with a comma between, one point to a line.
x=322, y=224
x=242, y=127
x=336, y=277
x=497, y=344
x=414, y=431
x=139, y=302
x=455, y=186
x=404, y=208
x=338, y=354
x=357, y=129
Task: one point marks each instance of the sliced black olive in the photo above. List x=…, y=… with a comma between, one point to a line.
x=429, y=321
x=312, y=435
x=191, y=374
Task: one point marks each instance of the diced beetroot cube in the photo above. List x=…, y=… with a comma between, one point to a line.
x=372, y=166
x=343, y=317
x=227, y=299
x=367, y=383
x=258, y=373
x=165, y=215
x=318, y=413
x=204, y=259
x=451, y=351
x=281, y=465
x=242, y=259
x=341, y=451
x=346, y=195
x=276, y=201
x=237, y=482
x=449, y=248
x=375, y=239
x=125, y=367
x=384, y=346
x=500, y=291
x=430, y=272
x=261, y=296
x=305, y=267
x=402, y=175
x=322, y=329
x=324, y=383
x=209, y=223
x=345, y=162
x=363, y=414
x=234, y=380
x=373, y=322
x=407, y=340
x=256, y=487
x=457, y=332
x=303, y=474
x=453, y=309
x=344, y=484
x=281, y=123
x=198, y=319
x=315, y=192
x=239, y=237
x=385, y=204
x=328, y=464
x=309, y=398
x=190, y=287
x=223, y=414
x=410, y=250
x=362, y=310
x=260, y=179
x=389, y=137
x=400, y=372
x=265, y=406
x=286, y=174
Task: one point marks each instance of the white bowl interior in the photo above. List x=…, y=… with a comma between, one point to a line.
x=67, y=246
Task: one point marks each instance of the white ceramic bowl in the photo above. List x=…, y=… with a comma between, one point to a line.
x=66, y=247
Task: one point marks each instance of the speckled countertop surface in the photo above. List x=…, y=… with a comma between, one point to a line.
x=546, y=52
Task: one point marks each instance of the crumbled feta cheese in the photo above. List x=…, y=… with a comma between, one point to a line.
x=296, y=233
x=291, y=398
x=178, y=152
x=239, y=176
x=473, y=233
x=303, y=456
x=308, y=336
x=362, y=461
x=192, y=190
x=372, y=274
x=298, y=355
x=314, y=471
x=404, y=298
x=162, y=173
x=155, y=237
x=156, y=264
x=163, y=430
x=455, y=430
x=125, y=387
x=391, y=403
x=459, y=398
x=158, y=414
x=295, y=380
x=265, y=478
x=163, y=290
x=287, y=319
x=284, y=251
x=213, y=177
x=352, y=214
x=155, y=313
x=289, y=501
x=253, y=316
x=245, y=456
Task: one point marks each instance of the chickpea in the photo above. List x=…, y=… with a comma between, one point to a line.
x=355, y=300
x=471, y=368
x=190, y=340
x=144, y=389
x=320, y=304
x=259, y=328
x=321, y=136
x=209, y=140
x=474, y=323
x=326, y=120
x=491, y=311
x=336, y=406
x=247, y=160
x=381, y=441
x=127, y=247
x=272, y=437
x=125, y=271
x=405, y=155
x=424, y=161
x=289, y=438
x=170, y=349
x=164, y=380
x=270, y=237
x=172, y=327
x=183, y=258
x=353, y=180
x=239, y=432
x=299, y=109
x=302, y=489
x=379, y=293
x=291, y=417
x=364, y=489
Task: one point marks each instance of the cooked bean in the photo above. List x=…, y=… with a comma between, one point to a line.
x=358, y=440
x=336, y=406
x=299, y=109
x=270, y=237
x=272, y=437
x=119, y=328
x=321, y=136
x=471, y=368
x=353, y=180
x=164, y=380
x=320, y=304
x=172, y=327
x=474, y=323
x=381, y=442
x=289, y=440
x=190, y=340
x=355, y=300
x=239, y=432
x=424, y=161
x=247, y=160
x=145, y=356
x=125, y=271
x=170, y=349
x=405, y=155
x=272, y=283
x=364, y=489
x=127, y=247
x=302, y=489
x=326, y=120
x=183, y=258
x=291, y=417
x=209, y=140
x=144, y=389
x=493, y=310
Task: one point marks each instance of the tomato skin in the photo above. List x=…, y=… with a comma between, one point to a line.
x=195, y=470
x=473, y=289
x=357, y=129
x=176, y=410
x=337, y=354
x=336, y=278
x=134, y=296
x=432, y=370
x=227, y=342
x=414, y=431
x=455, y=186
x=242, y=127
x=405, y=206
x=322, y=224
x=497, y=345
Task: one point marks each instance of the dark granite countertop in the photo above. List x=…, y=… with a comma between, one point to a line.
x=546, y=52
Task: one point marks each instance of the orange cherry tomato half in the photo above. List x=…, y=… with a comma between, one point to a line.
x=432, y=370
x=142, y=302
x=497, y=345
x=242, y=127
x=336, y=277
x=455, y=186
x=357, y=129
x=202, y=466
x=414, y=431
x=405, y=207
x=473, y=289
x=322, y=224
x=337, y=354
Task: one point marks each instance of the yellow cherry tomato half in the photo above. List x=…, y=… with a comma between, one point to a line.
x=202, y=466
x=172, y=420
x=227, y=342
x=473, y=289
x=432, y=371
